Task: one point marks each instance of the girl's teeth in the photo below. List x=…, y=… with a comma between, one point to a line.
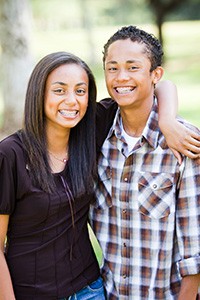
x=68, y=113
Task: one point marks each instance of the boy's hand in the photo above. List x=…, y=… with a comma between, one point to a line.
x=180, y=139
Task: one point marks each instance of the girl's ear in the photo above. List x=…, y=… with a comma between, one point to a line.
x=157, y=74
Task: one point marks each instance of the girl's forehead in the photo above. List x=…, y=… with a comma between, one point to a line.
x=68, y=71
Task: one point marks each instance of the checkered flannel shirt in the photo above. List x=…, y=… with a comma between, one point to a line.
x=147, y=215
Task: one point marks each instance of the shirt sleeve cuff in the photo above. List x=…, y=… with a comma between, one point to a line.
x=189, y=266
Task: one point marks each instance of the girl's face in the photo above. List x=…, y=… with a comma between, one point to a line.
x=66, y=96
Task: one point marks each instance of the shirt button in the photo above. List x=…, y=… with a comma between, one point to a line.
x=124, y=211
x=124, y=276
x=155, y=186
x=125, y=179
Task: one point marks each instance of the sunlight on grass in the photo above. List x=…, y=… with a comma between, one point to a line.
x=181, y=47
x=95, y=245
x=182, y=41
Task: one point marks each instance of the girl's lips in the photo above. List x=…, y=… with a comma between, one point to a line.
x=124, y=90
x=68, y=113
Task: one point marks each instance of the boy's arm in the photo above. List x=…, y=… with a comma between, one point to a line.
x=179, y=138
x=188, y=229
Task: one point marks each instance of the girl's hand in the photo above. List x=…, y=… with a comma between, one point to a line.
x=180, y=139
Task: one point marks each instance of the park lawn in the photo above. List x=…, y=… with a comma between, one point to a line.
x=182, y=66
x=182, y=56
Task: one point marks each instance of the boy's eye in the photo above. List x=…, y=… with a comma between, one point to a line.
x=111, y=69
x=133, y=68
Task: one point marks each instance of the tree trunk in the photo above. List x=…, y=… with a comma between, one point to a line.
x=16, y=62
x=161, y=9
x=86, y=20
x=159, y=22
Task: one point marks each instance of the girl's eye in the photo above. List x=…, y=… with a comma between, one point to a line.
x=80, y=92
x=59, y=91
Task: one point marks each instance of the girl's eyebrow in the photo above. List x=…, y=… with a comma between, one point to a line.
x=59, y=82
x=82, y=83
x=65, y=84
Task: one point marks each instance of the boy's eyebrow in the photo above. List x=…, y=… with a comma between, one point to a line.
x=130, y=61
x=111, y=62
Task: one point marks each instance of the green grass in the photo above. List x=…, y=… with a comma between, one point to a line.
x=183, y=67
x=182, y=53
x=95, y=245
x=182, y=49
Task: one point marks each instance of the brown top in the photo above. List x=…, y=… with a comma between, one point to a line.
x=47, y=257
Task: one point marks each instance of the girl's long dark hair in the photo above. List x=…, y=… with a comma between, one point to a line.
x=82, y=152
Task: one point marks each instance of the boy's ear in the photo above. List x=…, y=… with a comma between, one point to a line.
x=157, y=74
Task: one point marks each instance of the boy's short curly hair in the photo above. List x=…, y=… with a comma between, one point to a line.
x=153, y=47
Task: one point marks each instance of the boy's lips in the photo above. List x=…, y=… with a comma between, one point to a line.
x=124, y=89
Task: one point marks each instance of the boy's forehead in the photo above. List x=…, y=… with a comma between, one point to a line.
x=125, y=49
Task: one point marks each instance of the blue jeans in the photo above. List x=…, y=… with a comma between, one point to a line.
x=93, y=291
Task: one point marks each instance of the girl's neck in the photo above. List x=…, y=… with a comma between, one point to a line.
x=57, y=140
x=57, y=149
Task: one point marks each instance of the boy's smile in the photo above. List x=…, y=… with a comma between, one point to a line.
x=127, y=71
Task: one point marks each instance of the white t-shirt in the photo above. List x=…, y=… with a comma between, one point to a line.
x=130, y=140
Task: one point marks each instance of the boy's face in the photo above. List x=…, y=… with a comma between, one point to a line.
x=127, y=74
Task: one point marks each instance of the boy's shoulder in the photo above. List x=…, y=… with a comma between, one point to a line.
x=189, y=125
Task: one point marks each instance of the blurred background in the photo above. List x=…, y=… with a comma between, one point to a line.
x=30, y=29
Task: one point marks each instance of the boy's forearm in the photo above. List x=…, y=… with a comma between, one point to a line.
x=166, y=93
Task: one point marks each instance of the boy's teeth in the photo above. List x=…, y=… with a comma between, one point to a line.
x=67, y=113
x=123, y=90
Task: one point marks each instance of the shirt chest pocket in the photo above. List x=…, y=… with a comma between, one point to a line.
x=156, y=194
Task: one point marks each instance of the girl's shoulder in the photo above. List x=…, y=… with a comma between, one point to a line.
x=11, y=144
x=13, y=138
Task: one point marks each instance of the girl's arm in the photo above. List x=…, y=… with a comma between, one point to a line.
x=6, y=288
x=189, y=287
x=179, y=138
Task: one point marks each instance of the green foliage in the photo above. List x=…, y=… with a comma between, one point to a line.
x=187, y=11
x=51, y=14
x=182, y=65
x=182, y=52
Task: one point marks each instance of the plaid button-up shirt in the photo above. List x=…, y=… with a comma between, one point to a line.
x=147, y=215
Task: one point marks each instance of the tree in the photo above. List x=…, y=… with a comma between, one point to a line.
x=16, y=62
x=162, y=8
x=86, y=22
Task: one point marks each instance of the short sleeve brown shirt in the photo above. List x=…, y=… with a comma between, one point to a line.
x=47, y=257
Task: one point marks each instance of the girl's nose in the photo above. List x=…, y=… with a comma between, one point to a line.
x=70, y=98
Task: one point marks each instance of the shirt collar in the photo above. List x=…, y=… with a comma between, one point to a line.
x=150, y=132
